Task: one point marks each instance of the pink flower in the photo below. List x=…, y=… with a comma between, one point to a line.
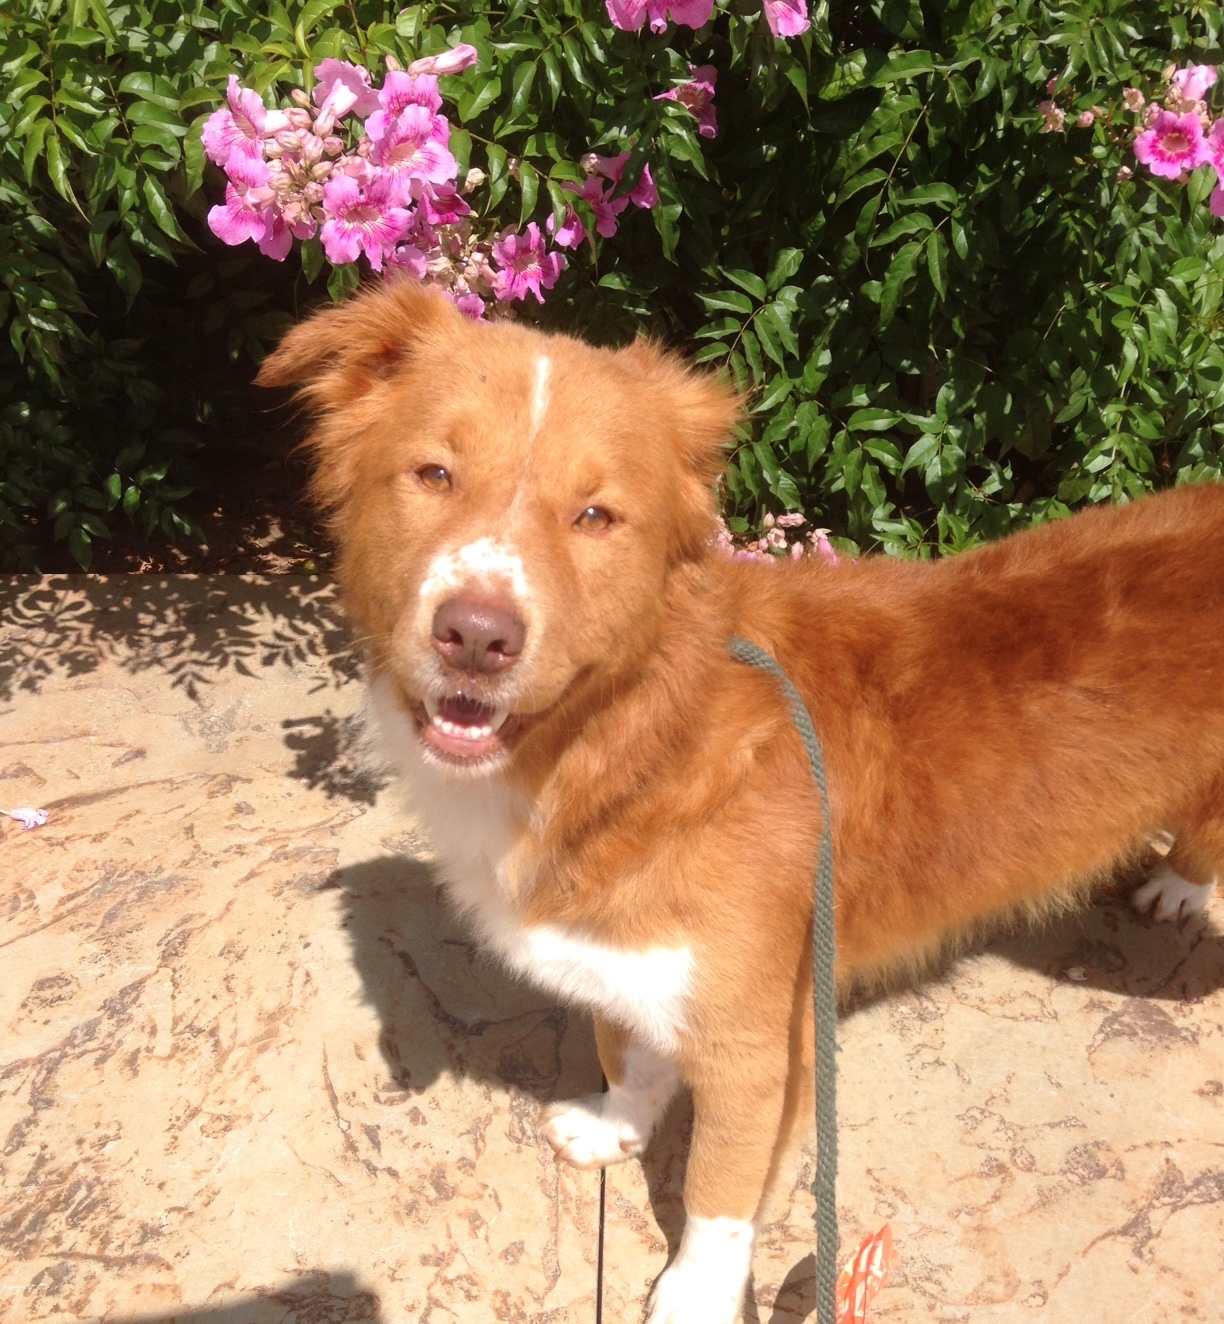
x=597, y=194
x=1172, y=145
x=409, y=258
x=629, y=15
x=454, y=61
x=1217, y=200
x=1194, y=81
x=823, y=548
x=697, y=95
x=398, y=93
x=571, y=232
x=241, y=125
x=414, y=147
x=28, y=818
x=526, y=268
x=361, y=219
x=1085, y=119
x=1054, y=118
x=441, y=205
x=471, y=305
x=342, y=87
x=786, y=18
x=1215, y=148
x=644, y=194
x=281, y=231
x=245, y=213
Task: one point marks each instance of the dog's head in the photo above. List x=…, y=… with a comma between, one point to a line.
x=507, y=505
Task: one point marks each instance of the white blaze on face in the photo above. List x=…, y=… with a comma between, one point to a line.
x=540, y=397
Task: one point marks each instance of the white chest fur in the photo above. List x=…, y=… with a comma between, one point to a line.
x=473, y=823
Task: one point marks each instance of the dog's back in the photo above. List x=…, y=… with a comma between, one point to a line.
x=1005, y=724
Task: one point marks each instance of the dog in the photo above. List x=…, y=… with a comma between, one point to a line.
x=525, y=533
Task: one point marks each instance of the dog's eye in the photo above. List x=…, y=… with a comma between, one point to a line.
x=434, y=478
x=594, y=519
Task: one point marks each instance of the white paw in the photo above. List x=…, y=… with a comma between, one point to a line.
x=582, y=1135
x=705, y=1283
x=1168, y=896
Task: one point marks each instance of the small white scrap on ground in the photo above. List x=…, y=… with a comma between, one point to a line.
x=28, y=818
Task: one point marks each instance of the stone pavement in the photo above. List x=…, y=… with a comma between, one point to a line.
x=253, y=1072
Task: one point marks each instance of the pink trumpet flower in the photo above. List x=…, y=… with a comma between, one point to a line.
x=786, y=18
x=1173, y=144
x=454, y=61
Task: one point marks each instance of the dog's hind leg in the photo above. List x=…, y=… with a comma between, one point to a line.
x=1183, y=883
x=606, y=1128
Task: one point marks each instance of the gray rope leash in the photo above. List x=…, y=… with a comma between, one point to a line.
x=824, y=999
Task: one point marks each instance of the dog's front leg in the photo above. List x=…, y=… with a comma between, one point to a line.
x=739, y=1101
x=606, y=1128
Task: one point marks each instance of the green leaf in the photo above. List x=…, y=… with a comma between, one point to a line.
x=726, y=300
x=160, y=210
x=746, y=280
x=788, y=261
x=529, y=186
x=900, y=269
x=937, y=263
x=311, y=13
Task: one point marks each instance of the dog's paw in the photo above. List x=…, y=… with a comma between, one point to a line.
x=705, y=1283
x=583, y=1134
x=1168, y=896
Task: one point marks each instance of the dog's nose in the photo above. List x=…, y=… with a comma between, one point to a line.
x=476, y=636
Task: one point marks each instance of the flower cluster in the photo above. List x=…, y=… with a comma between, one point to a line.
x=1179, y=135
x=382, y=185
x=774, y=541
x=786, y=18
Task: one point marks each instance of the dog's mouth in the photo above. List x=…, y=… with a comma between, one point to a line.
x=463, y=730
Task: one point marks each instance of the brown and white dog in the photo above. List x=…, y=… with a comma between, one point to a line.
x=524, y=526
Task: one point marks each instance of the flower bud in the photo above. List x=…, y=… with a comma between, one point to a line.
x=393, y=65
x=332, y=145
x=321, y=170
x=302, y=120
x=1085, y=119
x=590, y=163
x=1124, y=173
x=299, y=98
x=1132, y=99
x=475, y=177
x=1052, y=86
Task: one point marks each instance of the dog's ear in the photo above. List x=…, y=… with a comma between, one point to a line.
x=336, y=355
x=697, y=415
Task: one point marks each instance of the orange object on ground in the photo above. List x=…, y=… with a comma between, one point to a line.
x=863, y=1276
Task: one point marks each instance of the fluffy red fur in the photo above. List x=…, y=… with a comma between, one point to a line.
x=1000, y=728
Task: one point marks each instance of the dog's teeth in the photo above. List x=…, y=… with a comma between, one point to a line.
x=431, y=708
x=443, y=725
x=499, y=718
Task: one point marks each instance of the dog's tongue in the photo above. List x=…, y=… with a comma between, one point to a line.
x=463, y=729
x=465, y=712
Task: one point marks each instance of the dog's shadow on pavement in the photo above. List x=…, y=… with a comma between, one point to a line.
x=445, y=1005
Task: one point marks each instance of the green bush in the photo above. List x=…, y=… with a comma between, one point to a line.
x=946, y=322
